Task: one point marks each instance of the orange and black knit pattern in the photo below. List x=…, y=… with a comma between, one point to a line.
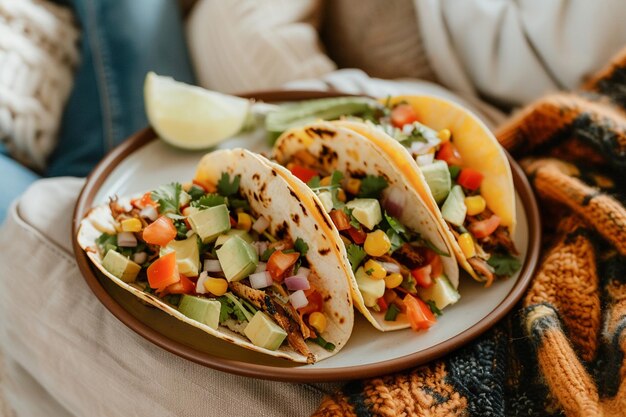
x=563, y=351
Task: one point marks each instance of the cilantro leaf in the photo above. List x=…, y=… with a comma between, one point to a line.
x=195, y=192
x=353, y=221
x=314, y=182
x=335, y=180
x=209, y=200
x=230, y=308
x=106, y=242
x=433, y=307
x=356, y=254
x=395, y=239
x=409, y=284
x=504, y=264
x=301, y=246
x=236, y=203
x=370, y=271
x=181, y=229
x=395, y=224
x=392, y=312
x=323, y=343
x=372, y=186
x=265, y=256
x=227, y=188
x=173, y=299
x=168, y=197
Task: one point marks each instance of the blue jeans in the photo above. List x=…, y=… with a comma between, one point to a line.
x=120, y=42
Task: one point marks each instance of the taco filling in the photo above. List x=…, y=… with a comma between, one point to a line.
x=206, y=253
x=398, y=273
x=456, y=188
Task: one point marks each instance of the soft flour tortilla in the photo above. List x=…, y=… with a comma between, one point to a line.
x=339, y=148
x=271, y=196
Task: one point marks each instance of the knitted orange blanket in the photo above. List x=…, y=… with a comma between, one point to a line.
x=562, y=351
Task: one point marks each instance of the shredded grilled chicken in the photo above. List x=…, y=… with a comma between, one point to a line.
x=407, y=255
x=304, y=329
x=115, y=207
x=500, y=237
x=482, y=268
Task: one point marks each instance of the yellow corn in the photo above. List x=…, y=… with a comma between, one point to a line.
x=475, y=204
x=374, y=269
x=377, y=243
x=341, y=195
x=244, y=221
x=353, y=186
x=444, y=135
x=325, y=182
x=318, y=321
x=187, y=186
x=216, y=286
x=393, y=280
x=187, y=211
x=467, y=245
x=131, y=225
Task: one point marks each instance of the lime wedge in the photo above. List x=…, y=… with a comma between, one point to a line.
x=191, y=117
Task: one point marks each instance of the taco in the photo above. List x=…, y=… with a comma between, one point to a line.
x=236, y=253
x=402, y=268
x=463, y=176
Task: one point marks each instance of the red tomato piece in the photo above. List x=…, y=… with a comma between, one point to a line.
x=418, y=313
x=357, y=235
x=382, y=304
x=184, y=286
x=315, y=301
x=470, y=178
x=448, y=152
x=423, y=276
x=435, y=263
x=160, y=232
x=403, y=114
x=485, y=227
x=303, y=173
x=163, y=272
x=279, y=262
x=233, y=222
x=340, y=219
x=144, y=201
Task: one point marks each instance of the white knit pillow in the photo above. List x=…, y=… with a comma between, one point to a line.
x=38, y=53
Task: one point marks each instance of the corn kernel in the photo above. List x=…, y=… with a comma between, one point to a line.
x=377, y=243
x=444, y=135
x=325, y=182
x=131, y=225
x=393, y=280
x=244, y=221
x=467, y=245
x=341, y=195
x=318, y=321
x=475, y=204
x=375, y=269
x=216, y=286
x=187, y=186
x=353, y=186
x=187, y=211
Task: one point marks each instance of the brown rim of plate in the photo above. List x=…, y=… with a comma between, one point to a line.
x=303, y=373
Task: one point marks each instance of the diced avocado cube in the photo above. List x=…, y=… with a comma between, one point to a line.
x=366, y=211
x=238, y=258
x=210, y=223
x=438, y=178
x=454, y=209
x=442, y=293
x=187, y=255
x=221, y=239
x=327, y=200
x=263, y=332
x=120, y=266
x=201, y=309
x=371, y=289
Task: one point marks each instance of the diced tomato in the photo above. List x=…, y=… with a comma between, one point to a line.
x=435, y=263
x=403, y=114
x=418, y=313
x=340, y=219
x=279, y=262
x=382, y=304
x=315, y=301
x=448, y=152
x=485, y=227
x=163, y=272
x=233, y=222
x=160, y=232
x=184, y=286
x=357, y=235
x=470, y=178
x=144, y=201
x=422, y=276
x=303, y=173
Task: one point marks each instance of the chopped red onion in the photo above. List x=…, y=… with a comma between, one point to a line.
x=212, y=265
x=149, y=212
x=390, y=267
x=303, y=272
x=200, y=284
x=126, y=240
x=260, y=280
x=262, y=266
x=298, y=299
x=297, y=283
x=394, y=201
x=140, y=257
x=261, y=247
x=260, y=224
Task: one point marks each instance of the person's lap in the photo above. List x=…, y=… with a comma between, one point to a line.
x=14, y=179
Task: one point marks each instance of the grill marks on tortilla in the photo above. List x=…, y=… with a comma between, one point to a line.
x=322, y=213
x=321, y=132
x=296, y=219
x=324, y=251
x=282, y=229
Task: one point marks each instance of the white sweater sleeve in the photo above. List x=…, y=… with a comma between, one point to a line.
x=243, y=45
x=515, y=51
